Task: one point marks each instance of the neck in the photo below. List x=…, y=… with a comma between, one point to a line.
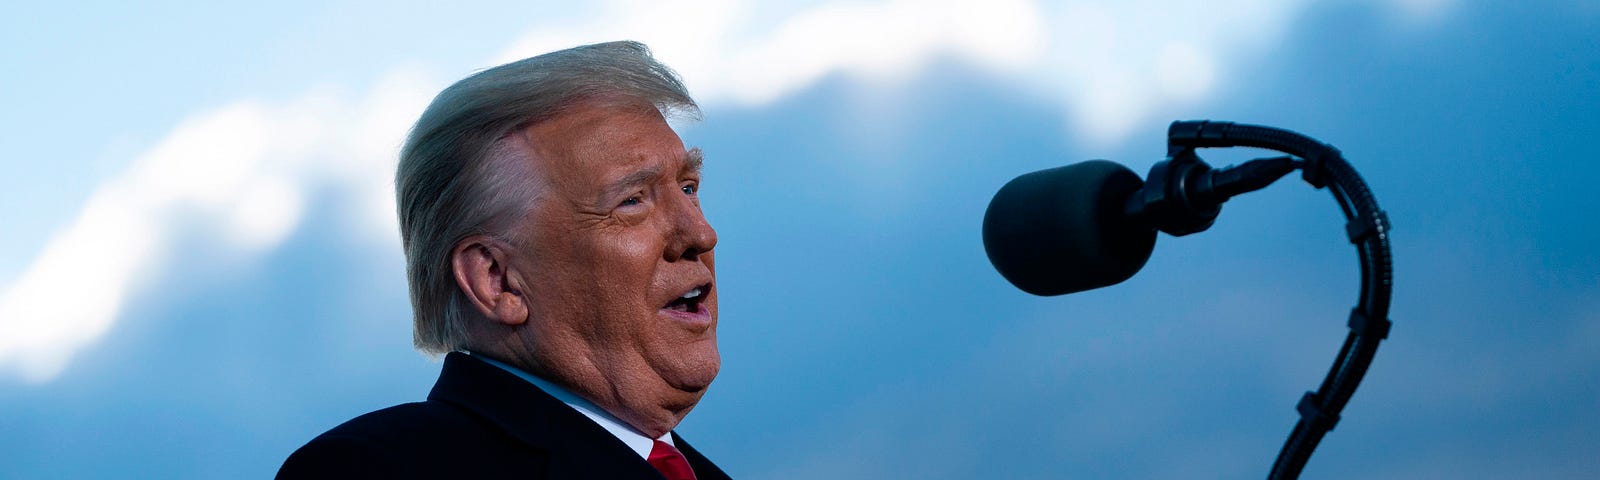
x=631, y=399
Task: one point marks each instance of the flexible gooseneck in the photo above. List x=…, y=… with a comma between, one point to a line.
x=1366, y=226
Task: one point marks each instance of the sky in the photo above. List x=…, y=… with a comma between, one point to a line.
x=200, y=270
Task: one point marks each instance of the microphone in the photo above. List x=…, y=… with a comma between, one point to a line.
x=1093, y=224
x=1064, y=229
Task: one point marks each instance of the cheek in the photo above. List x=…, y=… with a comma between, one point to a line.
x=626, y=261
x=623, y=281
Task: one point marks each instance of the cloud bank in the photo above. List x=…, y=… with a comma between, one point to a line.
x=243, y=171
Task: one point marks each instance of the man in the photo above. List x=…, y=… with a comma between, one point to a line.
x=557, y=254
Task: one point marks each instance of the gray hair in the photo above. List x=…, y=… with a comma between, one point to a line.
x=453, y=179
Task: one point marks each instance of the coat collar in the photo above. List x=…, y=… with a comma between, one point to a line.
x=577, y=447
x=703, y=468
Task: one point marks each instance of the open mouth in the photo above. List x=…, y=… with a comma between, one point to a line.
x=689, y=302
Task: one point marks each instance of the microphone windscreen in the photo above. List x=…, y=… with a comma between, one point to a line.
x=1064, y=229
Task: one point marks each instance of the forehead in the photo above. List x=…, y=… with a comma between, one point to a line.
x=597, y=139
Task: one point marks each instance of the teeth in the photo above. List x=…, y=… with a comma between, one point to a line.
x=691, y=294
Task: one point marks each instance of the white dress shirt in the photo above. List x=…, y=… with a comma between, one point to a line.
x=635, y=440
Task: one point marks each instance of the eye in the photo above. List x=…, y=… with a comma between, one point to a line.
x=633, y=200
x=691, y=188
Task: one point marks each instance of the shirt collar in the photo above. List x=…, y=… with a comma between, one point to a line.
x=632, y=438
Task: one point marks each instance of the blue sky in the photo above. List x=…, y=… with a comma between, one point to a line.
x=200, y=273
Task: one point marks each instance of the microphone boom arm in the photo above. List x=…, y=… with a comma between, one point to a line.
x=1367, y=226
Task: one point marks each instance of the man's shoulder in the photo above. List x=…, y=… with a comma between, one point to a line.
x=479, y=422
x=409, y=422
x=414, y=440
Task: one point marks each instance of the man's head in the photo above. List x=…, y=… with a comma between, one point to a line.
x=550, y=218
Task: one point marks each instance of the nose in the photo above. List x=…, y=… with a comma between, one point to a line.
x=691, y=235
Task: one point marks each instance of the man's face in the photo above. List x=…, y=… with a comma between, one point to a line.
x=617, y=260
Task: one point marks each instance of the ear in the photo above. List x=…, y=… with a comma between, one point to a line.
x=484, y=274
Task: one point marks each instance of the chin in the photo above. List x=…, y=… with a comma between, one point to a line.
x=693, y=371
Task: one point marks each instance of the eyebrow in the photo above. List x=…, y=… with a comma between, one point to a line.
x=619, y=187
x=692, y=160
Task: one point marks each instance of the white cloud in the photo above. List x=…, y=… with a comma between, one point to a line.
x=72, y=291
x=244, y=168
x=248, y=167
x=1109, y=64
x=265, y=212
x=722, y=59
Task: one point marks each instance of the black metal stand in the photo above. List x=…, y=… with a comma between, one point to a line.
x=1367, y=227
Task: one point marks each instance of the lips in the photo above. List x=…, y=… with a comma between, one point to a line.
x=689, y=307
x=690, y=301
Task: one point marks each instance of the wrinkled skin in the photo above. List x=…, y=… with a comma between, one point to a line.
x=615, y=233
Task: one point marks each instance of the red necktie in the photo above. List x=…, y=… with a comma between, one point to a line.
x=670, y=462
